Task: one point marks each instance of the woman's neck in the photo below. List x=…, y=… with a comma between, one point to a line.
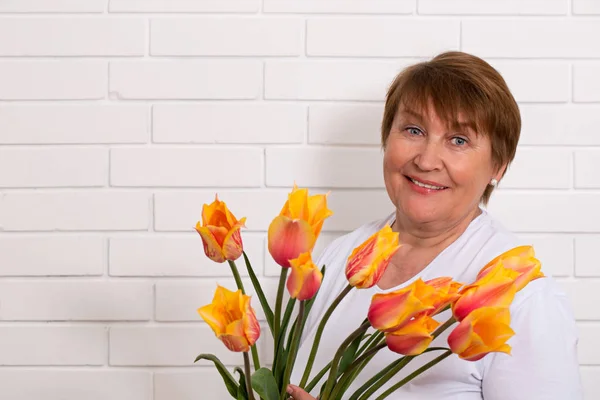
x=432, y=235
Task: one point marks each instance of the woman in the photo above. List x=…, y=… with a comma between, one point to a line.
x=450, y=129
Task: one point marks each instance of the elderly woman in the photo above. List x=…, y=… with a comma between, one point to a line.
x=450, y=129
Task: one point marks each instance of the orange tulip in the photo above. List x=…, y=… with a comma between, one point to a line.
x=298, y=225
x=232, y=319
x=520, y=259
x=220, y=232
x=445, y=292
x=305, y=279
x=391, y=311
x=368, y=262
x=413, y=338
x=494, y=289
x=484, y=330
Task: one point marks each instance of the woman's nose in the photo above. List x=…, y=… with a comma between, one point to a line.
x=429, y=157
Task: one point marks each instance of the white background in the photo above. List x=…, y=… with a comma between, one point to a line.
x=118, y=121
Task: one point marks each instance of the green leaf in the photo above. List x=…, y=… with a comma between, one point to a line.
x=350, y=354
x=264, y=384
x=242, y=393
x=230, y=383
x=259, y=292
x=279, y=362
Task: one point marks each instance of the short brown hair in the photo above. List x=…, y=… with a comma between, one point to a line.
x=456, y=82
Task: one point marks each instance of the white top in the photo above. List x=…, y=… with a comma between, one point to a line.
x=543, y=364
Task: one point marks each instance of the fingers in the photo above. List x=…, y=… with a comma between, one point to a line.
x=298, y=394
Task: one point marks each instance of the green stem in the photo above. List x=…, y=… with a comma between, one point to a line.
x=387, y=376
x=240, y=285
x=236, y=276
x=278, y=302
x=279, y=340
x=414, y=374
x=317, y=378
x=315, y=346
x=292, y=352
x=350, y=374
x=338, y=356
x=248, y=380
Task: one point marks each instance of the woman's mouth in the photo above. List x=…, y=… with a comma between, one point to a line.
x=426, y=185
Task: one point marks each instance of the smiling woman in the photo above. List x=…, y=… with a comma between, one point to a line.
x=450, y=130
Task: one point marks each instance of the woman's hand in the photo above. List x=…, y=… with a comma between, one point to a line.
x=298, y=394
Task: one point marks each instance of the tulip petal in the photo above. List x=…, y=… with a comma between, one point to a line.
x=413, y=338
x=305, y=278
x=235, y=343
x=288, y=239
x=390, y=311
x=232, y=243
x=211, y=246
x=212, y=318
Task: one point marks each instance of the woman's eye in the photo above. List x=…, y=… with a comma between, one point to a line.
x=413, y=130
x=459, y=141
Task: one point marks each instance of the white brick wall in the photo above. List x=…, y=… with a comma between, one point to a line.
x=120, y=118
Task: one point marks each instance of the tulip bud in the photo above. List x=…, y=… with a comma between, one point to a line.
x=305, y=279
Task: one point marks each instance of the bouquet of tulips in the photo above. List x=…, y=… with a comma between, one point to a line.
x=403, y=320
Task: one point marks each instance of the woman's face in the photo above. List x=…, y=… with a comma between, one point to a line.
x=433, y=174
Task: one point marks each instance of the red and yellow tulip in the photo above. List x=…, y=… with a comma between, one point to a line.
x=483, y=331
x=390, y=311
x=220, y=232
x=298, y=225
x=305, y=279
x=413, y=338
x=368, y=262
x=495, y=289
x=232, y=319
x=445, y=291
x=520, y=259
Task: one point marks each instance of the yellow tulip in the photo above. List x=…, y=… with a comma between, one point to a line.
x=368, y=262
x=413, y=338
x=220, y=232
x=483, y=331
x=305, y=279
x=520, y=259
x=298, y=226
x=495, y=289
x=232, y=319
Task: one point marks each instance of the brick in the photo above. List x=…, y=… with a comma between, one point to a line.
x=52, y=80
x=378, y=37
x=586, y=82
x=539, y=169
x=173, y=167
x=493, y=7
x=179, y=301
x=587, y=165
x=188, y=6
x=53, y=256
x=171, y=346
x=330, y=80
x=528, y=80
x=53, y=167
x=75, y=301
x=560, y=124
x=324, y=167
x=325, y=238
x=586, y=258
x=549, y=38
x=556, y=253
x=173, y=255
x=340, y=6
x=179, y=211
x=582, y=295
x=353, y=208
x=55, y=6
x=586, y=7
x=175, y=79
x=95, y=36
x=53, y=345
x=345, y=124
x=59, y=384
x=589, y=352
x=247, y=123
x=590, y=378
x=187, y=384
x=227, y=37
x=546, y=212
x=74, y=124
x=75, y=211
